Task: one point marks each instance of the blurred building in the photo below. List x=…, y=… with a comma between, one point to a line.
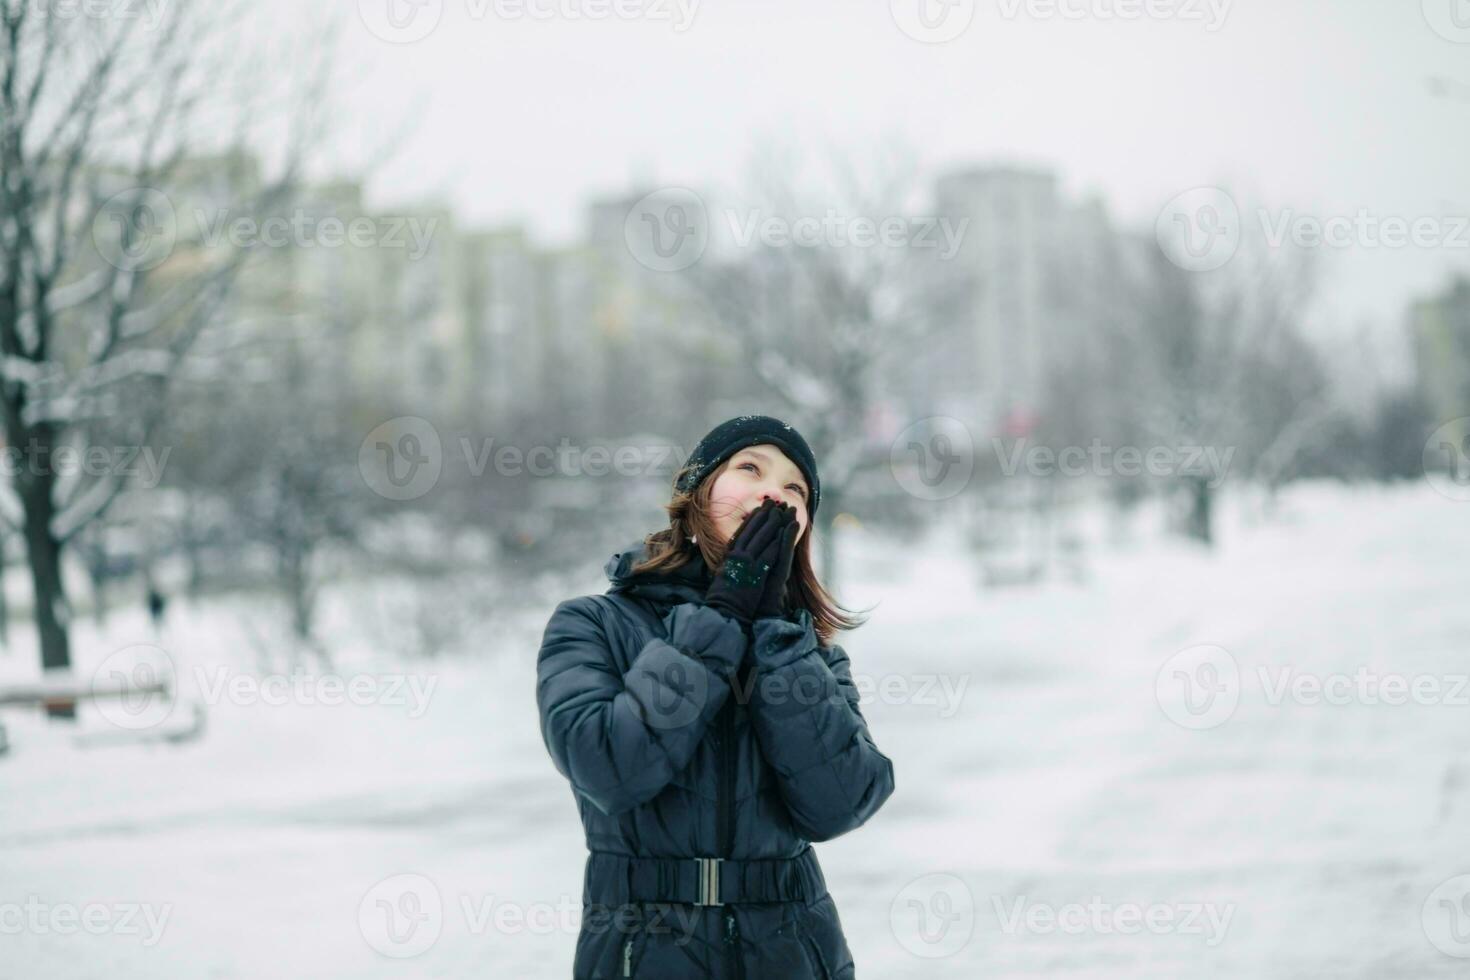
x=480, y=324
x=508, y=311
x=1034, y=265
x=374, y=298
x=426, y=324
x=1440, y=331
x=650, y=328
x=573, y=288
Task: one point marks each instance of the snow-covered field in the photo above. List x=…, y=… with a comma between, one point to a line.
x=1070, y=801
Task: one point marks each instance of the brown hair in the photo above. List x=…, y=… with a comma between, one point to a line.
x=689, y=516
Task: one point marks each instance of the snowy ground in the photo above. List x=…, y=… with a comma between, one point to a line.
x=1285, y=840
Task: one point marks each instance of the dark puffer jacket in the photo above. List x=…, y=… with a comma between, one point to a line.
x=668, y=765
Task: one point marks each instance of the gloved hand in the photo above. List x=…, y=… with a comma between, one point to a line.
x=773, y=599
x=753, y=552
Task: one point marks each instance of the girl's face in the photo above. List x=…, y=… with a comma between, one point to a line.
x=747, y=479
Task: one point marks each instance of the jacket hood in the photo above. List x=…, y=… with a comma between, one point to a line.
x=687, y=583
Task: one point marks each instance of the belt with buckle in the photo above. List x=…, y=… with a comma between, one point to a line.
x=706, y=881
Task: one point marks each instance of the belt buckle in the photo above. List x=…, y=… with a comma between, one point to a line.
x=709, y=881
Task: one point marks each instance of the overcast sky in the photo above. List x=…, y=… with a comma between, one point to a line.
x=1321, y=106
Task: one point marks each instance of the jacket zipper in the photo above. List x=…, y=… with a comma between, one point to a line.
x=628, y=957
x=723, y=790
x=732, y=938
x=725, y=801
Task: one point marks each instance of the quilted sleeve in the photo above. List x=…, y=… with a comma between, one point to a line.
x=620, y=738
x=804, y=708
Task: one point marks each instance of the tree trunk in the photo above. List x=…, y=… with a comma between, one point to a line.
x=98, y=576
x=43, y=552
x=4, y=606
x=193, y=550
x=1199, y=524
x=293, y=562
x=195, y=587
x=829, y=543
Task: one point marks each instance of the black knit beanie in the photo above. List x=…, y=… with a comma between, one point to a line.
x=728, y=438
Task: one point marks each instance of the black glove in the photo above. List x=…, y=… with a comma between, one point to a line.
x=753, y=551
x=773, y=599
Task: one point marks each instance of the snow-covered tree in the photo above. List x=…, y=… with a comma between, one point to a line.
x=115, y=127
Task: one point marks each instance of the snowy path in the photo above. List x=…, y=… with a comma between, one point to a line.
x=1324, y=827
x=1320, y=830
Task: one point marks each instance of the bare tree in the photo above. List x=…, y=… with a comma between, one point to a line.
x=1214, y=361
x=107, y=122
x=824, y=327
x=270, y=452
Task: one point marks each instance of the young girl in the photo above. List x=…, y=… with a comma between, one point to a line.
x=710, y=729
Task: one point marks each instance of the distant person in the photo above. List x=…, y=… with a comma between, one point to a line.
x=700, y=806
x=156, y=605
